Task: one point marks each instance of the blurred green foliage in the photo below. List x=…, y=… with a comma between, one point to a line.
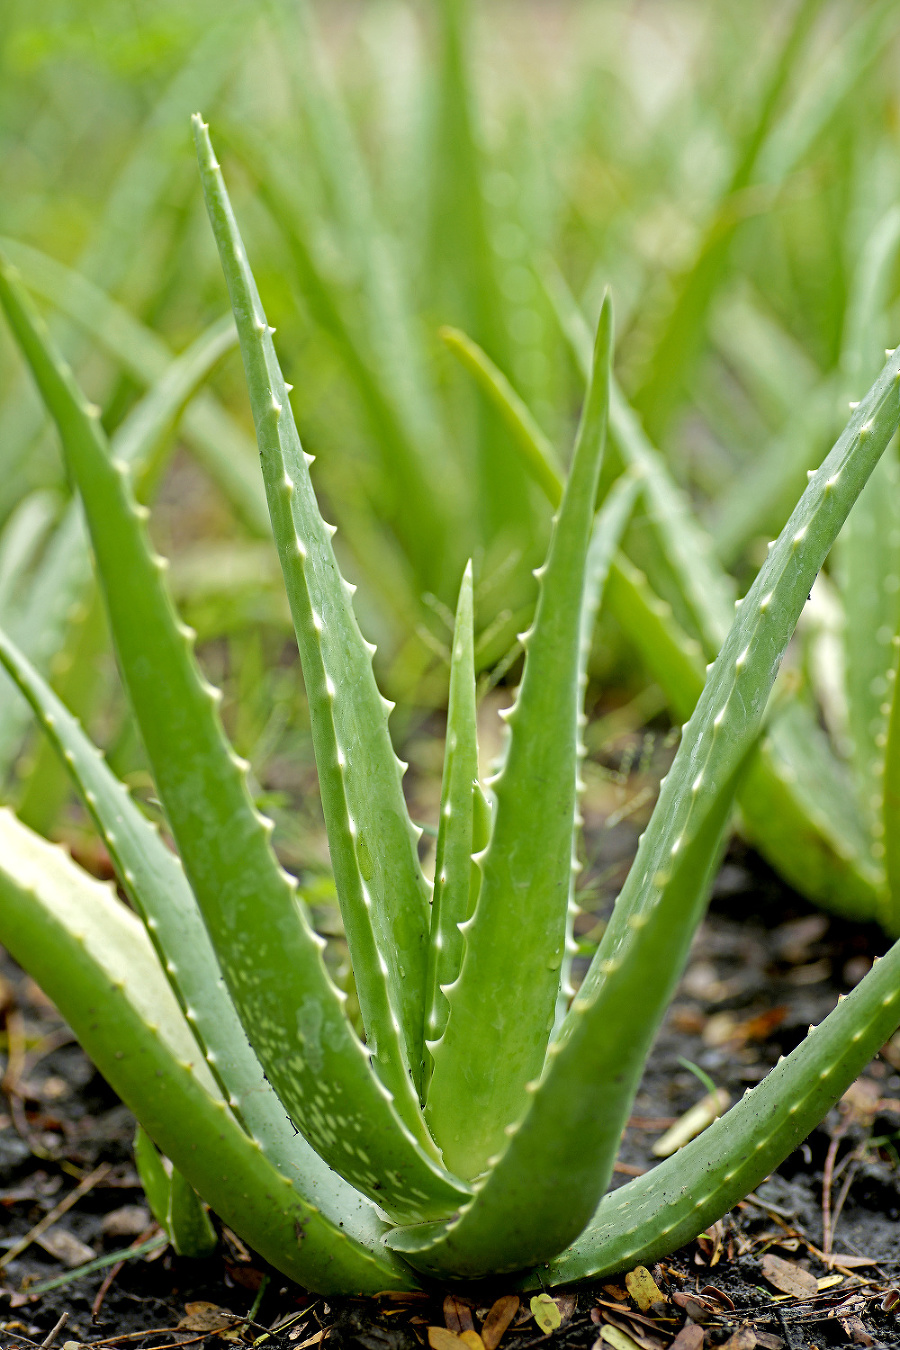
x=401, y=165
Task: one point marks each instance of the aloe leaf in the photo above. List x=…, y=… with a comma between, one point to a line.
x=223, y=842
x=649, y=933
x=609, y=525
x=795, y=805
x=679, y=341
x=407, y=499
x=140, y=440
x=20, y=543
x=79, y=941
x=556, y=1164
x=529, y=1189
x=455, y=875
x=373, y=844
x=154, y=881
x=187, y=1221
x=672, y=549
x=682, y=1196
x=534, y=447
x=722, y=729
x=59, y=593
x=218, y=443
x=153, y=1176
x=526, y=867
x=868, y=550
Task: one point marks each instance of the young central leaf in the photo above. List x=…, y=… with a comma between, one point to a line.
x=495, y=1042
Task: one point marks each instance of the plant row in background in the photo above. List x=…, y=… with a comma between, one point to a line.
x=474, y=1129
x=739, y=345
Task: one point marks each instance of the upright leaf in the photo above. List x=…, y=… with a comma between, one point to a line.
x=323, y=1073
x=455, y=875
x=515, y=940
x=373, y=844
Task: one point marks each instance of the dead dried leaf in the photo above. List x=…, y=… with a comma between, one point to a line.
x=856, y=1332
x=769, y=1341
x=472, y=1340
x=616, y=1291
x=742, y=1339
x=788, y=1276
x=647, y=1340
x=567, y=1303
x=498, y=1319
x=126, y=1221
x=692, y=1123
x=207, y=1317
x=67, y=1248
x=545, y=1312
x=643, y=1288
x=890, y=1300
x=688, y=1338
x=698, y=1309
x=718, y=1296
x=458, y=1314
x=619, y=1340
x=439, y=1338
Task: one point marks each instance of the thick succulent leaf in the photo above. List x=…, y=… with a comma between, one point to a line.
x=540, y=1194
x=380, y=885
x=682, y=1196
x=24, y=534
x=678, y=344
x=594, y=1066
x=515, y=940
x=277, y=980
x=141, y=439
x=609, y=525
x=93, y=958
x=867, y=554
x=47, y=616
x=670, y=547
x=41, y=614
x=215, y=438
x=722, y=729
x=794, y=804
x=534, y=447
x=456, y=876
x=154, y=881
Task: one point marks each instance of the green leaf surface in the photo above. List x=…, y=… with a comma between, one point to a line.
x=456, y=876
x=682, y=1196
x=154, y=881
x=373, y=844
x=223, y=841
x=94, y=960
x=219, y=444
x=526, y=867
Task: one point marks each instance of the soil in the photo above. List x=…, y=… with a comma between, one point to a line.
x=763, y=967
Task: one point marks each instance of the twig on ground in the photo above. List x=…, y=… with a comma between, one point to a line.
x=50, y=1219
x=52, y=1334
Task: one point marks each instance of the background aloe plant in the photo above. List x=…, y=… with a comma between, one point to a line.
x=475, y=1128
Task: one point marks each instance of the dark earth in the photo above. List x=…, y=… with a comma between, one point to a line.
x=812, y=1259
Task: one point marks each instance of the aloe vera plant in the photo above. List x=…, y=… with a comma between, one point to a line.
x=475, y=1127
